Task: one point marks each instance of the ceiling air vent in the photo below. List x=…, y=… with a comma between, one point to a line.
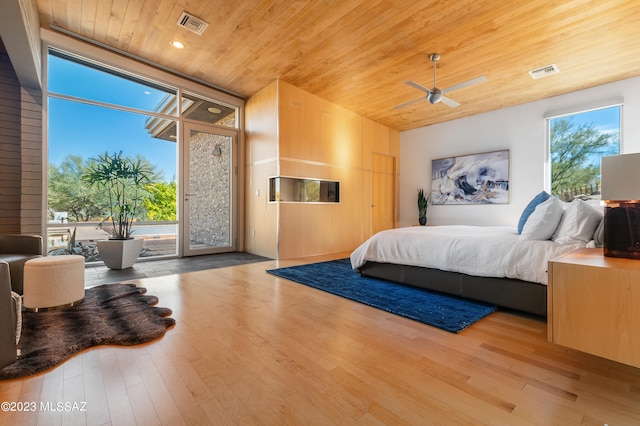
x=544, y=71
x=192, y=23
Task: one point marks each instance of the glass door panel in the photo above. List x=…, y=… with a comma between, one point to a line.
x=210, y=190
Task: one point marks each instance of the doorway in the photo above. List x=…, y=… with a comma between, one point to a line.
x=383, y=172
x=210, y=196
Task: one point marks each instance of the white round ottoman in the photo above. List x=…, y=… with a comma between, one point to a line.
x=53, y=281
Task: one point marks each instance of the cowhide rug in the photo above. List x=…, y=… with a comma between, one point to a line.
x=111, y=314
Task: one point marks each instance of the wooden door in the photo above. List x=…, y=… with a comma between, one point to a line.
x=383, y=172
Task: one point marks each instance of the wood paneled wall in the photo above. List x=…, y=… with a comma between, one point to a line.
x=296, y=134
x=10, y=164
x=32, y=182
x=21, y=182
x=261, y=163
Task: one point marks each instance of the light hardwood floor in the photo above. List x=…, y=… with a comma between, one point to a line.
x=252, y=349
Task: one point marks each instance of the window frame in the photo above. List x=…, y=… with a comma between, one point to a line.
x=597, y=105
x=127, y=64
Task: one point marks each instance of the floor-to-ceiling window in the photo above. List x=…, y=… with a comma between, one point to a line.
x=93, y=109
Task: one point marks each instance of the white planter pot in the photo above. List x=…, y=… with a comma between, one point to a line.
x=120, y=254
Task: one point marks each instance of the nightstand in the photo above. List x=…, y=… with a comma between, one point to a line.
x=594, y=305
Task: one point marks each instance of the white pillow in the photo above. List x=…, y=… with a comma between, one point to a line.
x=543, y=221
x=598, y=235
x=578, y=223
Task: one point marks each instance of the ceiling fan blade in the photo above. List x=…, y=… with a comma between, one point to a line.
x=417, y=86
x=467, y=83
x=449, y=102
x=409, y=103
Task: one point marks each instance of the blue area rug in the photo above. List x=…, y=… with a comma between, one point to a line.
x=436, y=309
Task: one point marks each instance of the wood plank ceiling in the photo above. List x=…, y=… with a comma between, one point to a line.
x=358, y=53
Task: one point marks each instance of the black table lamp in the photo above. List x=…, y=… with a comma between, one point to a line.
x=620, y=190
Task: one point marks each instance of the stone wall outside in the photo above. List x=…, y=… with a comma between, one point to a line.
x=210, y=189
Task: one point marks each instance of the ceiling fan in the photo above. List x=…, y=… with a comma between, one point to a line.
x=436, y=95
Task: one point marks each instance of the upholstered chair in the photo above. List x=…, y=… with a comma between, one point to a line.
x=9, y=312
x=16, y=249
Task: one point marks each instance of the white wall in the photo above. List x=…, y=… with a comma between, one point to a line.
x=521, y=129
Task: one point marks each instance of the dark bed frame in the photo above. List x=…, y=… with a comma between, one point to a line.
x=505, y=292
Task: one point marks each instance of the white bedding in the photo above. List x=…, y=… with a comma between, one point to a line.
x=473, y=250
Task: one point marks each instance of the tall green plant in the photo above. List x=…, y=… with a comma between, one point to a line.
x=423, y=203
x=124, y=179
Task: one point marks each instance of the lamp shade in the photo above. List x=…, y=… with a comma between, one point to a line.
x=620, y=190
x=620, y=177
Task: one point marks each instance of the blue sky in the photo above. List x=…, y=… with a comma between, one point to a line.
x=88, y=130
x=605, y=120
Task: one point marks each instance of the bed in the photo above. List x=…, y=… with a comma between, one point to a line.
x=505, y=266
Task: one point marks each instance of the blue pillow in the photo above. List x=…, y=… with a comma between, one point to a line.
x=538, y=199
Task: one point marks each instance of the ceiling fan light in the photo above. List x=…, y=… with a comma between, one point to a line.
x=434, y=97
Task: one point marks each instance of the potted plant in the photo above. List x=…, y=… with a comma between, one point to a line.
x=124, y=180
x=423, y=204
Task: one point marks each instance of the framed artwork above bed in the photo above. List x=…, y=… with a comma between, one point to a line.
x=471, y=179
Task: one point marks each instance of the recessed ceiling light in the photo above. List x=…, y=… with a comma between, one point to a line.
x=214, y=110
x=177, y=44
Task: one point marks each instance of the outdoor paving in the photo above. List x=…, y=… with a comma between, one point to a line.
x=95, y=275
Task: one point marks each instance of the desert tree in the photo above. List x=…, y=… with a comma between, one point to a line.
x=575, y=153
